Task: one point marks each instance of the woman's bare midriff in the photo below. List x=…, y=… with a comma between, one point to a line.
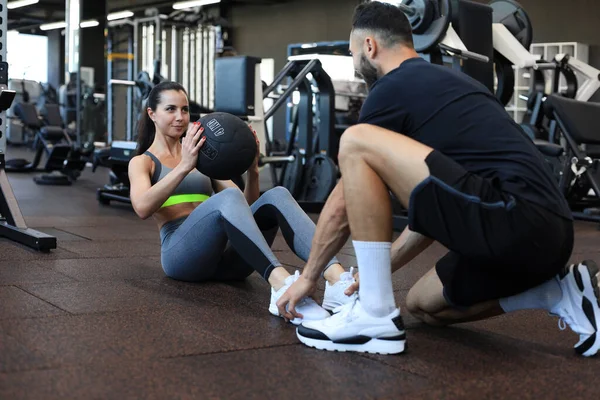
x=172, y=213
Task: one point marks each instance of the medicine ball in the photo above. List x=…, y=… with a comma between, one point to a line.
x=230, y=146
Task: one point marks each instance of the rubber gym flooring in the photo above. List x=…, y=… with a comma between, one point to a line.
x=97, y=319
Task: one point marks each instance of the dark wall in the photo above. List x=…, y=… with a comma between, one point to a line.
x=92, y=48
x=266, y=30
x=56, y=58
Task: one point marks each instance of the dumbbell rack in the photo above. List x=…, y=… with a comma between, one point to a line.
x=12, y=223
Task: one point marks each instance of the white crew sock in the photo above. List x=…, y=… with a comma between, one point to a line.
x=544, y=297
x=376, y=292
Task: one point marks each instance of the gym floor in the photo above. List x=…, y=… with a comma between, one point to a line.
x=97, y=318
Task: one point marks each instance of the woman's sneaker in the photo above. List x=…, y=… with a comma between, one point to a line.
x=309, y=308
x=334, y=294
x=580, y=305
x=353, y=329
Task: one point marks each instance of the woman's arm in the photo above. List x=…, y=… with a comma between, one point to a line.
x=145, y=198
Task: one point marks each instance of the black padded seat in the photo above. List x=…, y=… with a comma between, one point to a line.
x=581, y=119
x=52, y=133
x=548, y=149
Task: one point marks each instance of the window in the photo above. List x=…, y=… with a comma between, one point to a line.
x=27, y=56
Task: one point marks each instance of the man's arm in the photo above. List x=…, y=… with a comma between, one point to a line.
x=409, y=245
x=331, y=234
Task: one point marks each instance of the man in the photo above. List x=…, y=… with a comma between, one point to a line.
x=469, y=178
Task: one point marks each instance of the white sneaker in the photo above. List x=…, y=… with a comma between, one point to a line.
x=353, y=329
x=334, y=294
x=306, y=306
x=580, y=305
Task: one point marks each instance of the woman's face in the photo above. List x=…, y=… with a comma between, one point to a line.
x=172, y=114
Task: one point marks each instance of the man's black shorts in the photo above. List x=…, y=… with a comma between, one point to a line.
x=499, y=244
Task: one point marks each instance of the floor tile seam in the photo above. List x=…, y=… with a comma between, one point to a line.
x=42, y=299
x=71, y=233
x=233, y=350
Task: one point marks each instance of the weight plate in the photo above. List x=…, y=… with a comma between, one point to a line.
x=514, y=18
x=319, y=179
x=570, y=79
x=505, y=76
x=433, y=34
x=292, y=174
x=421, y=19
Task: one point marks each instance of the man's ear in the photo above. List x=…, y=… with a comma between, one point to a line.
x=370, y=47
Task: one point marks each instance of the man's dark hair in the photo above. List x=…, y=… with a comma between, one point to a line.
x=384, y=19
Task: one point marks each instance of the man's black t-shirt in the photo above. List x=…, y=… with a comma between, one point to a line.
x=458, y=116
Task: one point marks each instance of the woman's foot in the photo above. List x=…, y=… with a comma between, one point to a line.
x=307, y=306
x=335, y=289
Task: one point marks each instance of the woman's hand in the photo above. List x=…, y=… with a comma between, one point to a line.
x=190, y=146
x=254, y=165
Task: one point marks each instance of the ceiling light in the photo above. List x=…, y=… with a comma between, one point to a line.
x=119, y=15
x=53, y=25
x=11, y=5
x=89, y=24
x=193, y=3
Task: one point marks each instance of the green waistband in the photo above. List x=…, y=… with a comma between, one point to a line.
x=185, y=198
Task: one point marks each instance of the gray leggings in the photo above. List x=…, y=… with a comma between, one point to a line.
x=225, y=239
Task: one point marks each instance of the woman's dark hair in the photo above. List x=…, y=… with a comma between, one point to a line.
x=384, y=19
x=146, y=129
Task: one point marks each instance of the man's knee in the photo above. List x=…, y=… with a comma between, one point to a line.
x=350, y=142
x=419, y=311
x=412, y=303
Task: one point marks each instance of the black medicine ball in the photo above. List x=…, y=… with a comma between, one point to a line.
x=230, y=146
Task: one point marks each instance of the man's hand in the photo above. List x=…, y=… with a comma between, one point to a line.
x=287, y=302
x=354, y=287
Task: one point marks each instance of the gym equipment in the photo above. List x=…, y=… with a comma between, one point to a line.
x=27, y=91
x=579, y=125
x=239, y=78
x=116, y=158
x=432, y=30
x=55, y=143
x=230, y=146
x=510, y=14
x=589, y=75
x=303, y=144
x=12, y=223
x=183, y=51
x=429, y=20
x=320, y=178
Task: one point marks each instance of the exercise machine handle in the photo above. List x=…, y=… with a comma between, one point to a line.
x=541, y=66
x=276, y=159
x=465, y=53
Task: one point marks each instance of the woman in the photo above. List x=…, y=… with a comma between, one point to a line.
x=209, y=229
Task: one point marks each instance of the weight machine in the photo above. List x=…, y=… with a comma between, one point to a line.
x=144, y=51
x=306, y=168
x=12, y=223
x=571, y=142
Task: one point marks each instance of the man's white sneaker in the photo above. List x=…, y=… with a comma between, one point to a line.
x=334, y=296
x=353, y=329
x=580, y=305
x=309, y=308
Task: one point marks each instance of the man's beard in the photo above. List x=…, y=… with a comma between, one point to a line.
x=368, y=72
